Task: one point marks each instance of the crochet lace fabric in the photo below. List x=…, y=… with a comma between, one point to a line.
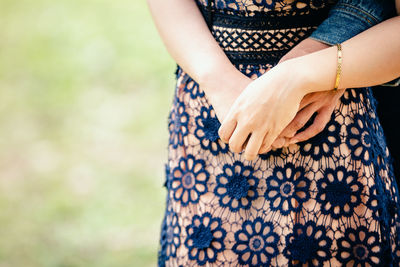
x=329, y=201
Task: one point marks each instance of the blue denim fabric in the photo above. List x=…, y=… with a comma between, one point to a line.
x=351, y=17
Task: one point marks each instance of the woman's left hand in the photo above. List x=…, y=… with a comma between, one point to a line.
x=323, y=104
x=264, y=109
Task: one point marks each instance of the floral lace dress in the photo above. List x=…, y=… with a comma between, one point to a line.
x=329, y=201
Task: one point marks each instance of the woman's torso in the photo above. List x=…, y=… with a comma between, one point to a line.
x=218, y=202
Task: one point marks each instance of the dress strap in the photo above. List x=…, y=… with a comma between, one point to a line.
x=210, y=11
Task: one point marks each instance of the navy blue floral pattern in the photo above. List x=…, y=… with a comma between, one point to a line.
x=256, y=243
x=273, y=153
x=324, y=143
x=178, y=121
x=207, y=131
x=226, y=4
x=328, y=201
x=359, y=140
x=339, y=192
x=205, y=238
x=360, y=247
x=373, y=204
x=351, y=96
x=192, y=88
x=287, y=188
x=308, y=244
x=189, y=180
x=171, y=240
x=267, y=3
x=236, y=186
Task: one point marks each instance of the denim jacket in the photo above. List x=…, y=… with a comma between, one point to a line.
x=351, y=17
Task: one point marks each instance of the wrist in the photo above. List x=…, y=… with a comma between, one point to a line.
x=317, y=71
x=217, y=83
x=211, y=74
x=300, y=76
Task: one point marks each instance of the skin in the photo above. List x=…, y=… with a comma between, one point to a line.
x=204, y=62
x=232, y=94
x=198, y=53
x=267, y=106
x=322, y=103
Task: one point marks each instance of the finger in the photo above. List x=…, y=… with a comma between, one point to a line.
x=226, y=129
x=253, y=146
x=301, y=118
x=279, y=142
x=245, y=142
x=309, y=99
x=267, y=142
x=263, y=148
x=305, y=101
x=318, y=125
x=238, y=139
x=287, y=142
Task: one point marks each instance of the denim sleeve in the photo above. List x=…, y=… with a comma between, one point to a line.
x=351, y=17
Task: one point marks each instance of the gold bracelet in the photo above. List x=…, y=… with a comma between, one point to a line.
x=339, y=66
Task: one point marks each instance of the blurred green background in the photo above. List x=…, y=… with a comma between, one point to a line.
x=85, y=90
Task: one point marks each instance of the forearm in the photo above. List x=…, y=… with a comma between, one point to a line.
x=189, y=41
x=370, y=58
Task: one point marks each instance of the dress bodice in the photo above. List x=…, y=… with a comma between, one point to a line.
x=262, y=31
x=264, y=6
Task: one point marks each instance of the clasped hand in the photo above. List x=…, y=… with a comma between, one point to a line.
x=270, y=110
x=263, y=110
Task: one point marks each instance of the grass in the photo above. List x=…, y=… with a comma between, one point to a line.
x=85, y=90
